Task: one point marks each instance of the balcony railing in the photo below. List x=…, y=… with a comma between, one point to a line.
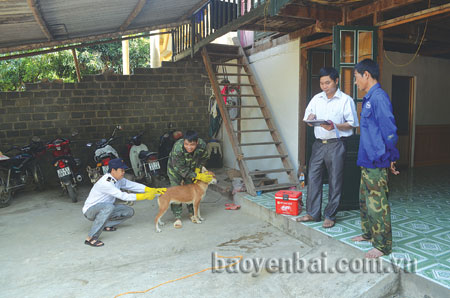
x=213, y=19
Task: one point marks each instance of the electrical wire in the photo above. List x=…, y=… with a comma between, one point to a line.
x=418, y=48
x=186, y=276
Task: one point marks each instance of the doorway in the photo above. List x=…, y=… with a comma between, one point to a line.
x=402, y=105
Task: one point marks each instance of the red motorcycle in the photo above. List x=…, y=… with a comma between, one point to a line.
x=66, y=166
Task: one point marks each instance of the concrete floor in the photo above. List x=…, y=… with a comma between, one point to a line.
x=43, y=254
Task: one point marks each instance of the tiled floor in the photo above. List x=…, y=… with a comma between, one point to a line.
x=420, y=210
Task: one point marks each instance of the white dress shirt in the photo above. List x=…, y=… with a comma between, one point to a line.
x=339, y=109
x=107, y=189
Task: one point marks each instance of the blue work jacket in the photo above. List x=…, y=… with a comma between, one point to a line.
x=378, y=131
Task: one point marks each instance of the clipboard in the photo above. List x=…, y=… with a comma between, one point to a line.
x=317, y=122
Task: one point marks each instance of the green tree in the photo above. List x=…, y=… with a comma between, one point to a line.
x=60, y=65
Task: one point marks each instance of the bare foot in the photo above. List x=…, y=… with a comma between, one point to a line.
x=360, y=238
x=374, y=253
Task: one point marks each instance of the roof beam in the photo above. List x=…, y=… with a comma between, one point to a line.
x=310, y=13
x=435, y=51
x=39, y=19
x=317, y=43
x=137, y=9
x=414, y=16
x=80, y=45
x=318, y=27
x=377, y=6
x=91, y=38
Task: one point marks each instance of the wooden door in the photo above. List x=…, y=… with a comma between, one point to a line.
x=352, y=44
x=402, y=105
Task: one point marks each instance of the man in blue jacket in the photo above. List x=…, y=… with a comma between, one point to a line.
x=377, y=152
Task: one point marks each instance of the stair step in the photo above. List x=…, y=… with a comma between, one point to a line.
x=232, y=74
x=249, y=118
x=264, y=157
x=240, y=95
x=227, y=64
x=252, y=130
x=254, y=173
x=258, y=144
x=275, y=186
x=232, y=107
x=225, y=55
x=235, y=84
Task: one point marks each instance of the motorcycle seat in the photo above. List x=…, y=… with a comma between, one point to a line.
x=144, y=155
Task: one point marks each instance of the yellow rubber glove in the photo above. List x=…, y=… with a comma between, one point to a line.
x=197, y=170
x=145, y=196
x=205, y=177
x=160, y=191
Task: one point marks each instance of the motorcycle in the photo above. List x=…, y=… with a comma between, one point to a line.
x=145, y=163
x=104, y=152
x=166, y=142
x=21, y=170
x=66, y=165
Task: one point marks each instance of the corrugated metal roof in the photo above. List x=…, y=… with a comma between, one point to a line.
x=69, y=19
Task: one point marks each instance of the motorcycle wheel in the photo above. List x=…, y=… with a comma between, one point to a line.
x=38, y=177
x=5, y=196
x=72, y=193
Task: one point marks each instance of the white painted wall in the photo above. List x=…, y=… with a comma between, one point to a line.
x=277, y=73
x=432, y=102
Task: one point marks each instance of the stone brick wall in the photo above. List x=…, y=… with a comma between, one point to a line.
x=146, y=101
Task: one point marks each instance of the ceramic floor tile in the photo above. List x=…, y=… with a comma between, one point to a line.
x=397, y=217
x=430, y=247
x=402, y=253
x=443, y=236
x=420, y=216
x=336, y=231
x=363, y=245
x=419, y=226
x=438, y=273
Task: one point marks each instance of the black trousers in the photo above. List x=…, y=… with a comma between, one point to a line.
x=329, y=155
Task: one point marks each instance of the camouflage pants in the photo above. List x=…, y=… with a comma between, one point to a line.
x=177, y=209
x=374, y=208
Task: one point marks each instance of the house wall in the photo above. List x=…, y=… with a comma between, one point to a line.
x=431, y=128
x=277, y=73
x=431, y=74
x=146, y=101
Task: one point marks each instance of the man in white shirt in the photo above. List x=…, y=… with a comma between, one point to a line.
x=99, y=206
x=329, y=148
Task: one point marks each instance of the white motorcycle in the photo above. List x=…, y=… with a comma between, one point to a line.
x=104, y=152
x=145, y=163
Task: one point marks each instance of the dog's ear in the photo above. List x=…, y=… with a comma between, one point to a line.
x=204, y=170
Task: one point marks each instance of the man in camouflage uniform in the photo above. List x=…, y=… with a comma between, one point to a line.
x=377, y=152
x=186, y=159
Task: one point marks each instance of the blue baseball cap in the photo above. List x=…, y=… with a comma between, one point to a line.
x=117, y=163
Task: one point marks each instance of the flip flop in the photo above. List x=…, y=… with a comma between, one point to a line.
x=229, y=204
x=178, y=224
x=328, y=223
x=233, y=207
x=109, y=229
x=96, y=243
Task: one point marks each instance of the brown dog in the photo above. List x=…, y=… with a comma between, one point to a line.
x=189, y=193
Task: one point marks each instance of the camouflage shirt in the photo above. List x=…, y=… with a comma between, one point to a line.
x=181, y=165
